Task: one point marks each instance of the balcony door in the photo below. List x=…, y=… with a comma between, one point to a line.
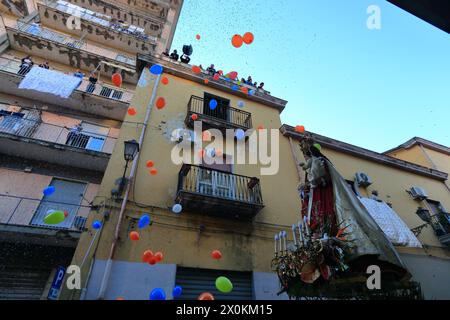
x=216, y=179
x=67, y=197
x=222, y=109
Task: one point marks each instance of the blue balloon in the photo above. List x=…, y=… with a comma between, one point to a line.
x=49, y=190
x=96, y=224
x=177, y=291
x=251, y=92
x=212, y=104
x=235, y=87
x=144, y=221
x=157, y=294
x=240, y=134
x=156, y=69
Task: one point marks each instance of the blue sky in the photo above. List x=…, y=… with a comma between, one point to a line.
x=372, y=88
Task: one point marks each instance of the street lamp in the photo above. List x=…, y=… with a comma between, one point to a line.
x=131, y=149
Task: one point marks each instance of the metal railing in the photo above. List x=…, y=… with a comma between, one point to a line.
x=37, y=30
x=99, y=19
x=99, y=89
x=17, y=210
x=219, y=184
x=225, y=114
x=18, y=125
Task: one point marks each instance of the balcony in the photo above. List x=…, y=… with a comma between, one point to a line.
x=48, y=44
x=441, y=225
x=221, y=117
x=218, y=193
x=96, y=27
x=22, y=220
x=28, y=136
x=102, y=99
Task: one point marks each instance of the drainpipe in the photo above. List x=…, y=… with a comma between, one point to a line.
x=107, y=273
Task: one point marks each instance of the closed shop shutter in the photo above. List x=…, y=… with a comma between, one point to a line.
x=196, y=281
x=22, y=283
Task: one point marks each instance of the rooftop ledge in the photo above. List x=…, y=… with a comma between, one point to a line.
x=185, y=71
x=356, y=151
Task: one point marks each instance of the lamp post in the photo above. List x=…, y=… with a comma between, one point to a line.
x=131, y=148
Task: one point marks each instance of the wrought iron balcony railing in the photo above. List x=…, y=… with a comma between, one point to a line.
x=34, y=128
x=218, y=192
x=15, y=210
x=221, y=117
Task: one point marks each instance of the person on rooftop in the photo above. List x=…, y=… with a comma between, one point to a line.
x=249, y=80
x=174, y=55
x=211, y=70
x=261, y=86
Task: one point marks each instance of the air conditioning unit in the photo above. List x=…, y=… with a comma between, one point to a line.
x=418, y=193
x=363, y=180
x=183, y=136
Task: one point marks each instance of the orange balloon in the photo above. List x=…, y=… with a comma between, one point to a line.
x=197, y=37
x=160, y=103
x=153, y=172
x=220, y=72
x=134, y=235
x=131, y=111
x=116, y=78
x=147, y=255
x=194, y=117
x=237, y=41
x=216, y=254
x=244, y=90
x=299, y=129
x=150, y=163
x=216, y=77
x=206, y=81
x=158, y=256
x=248, y=37
x=196, y=69
x=206, y=136
x=205, y=296
x=165, y=80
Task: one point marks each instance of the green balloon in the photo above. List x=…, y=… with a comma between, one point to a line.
x=223, y=284
x=317, y=146
x=54, y=217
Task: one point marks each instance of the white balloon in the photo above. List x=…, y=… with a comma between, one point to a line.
x=240, y=104
x=240, y=134
x=177, y=208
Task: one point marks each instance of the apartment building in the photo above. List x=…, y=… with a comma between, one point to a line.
x=64, y=140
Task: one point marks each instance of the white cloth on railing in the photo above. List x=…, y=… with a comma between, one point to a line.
x=391, y=224
x=50, y=81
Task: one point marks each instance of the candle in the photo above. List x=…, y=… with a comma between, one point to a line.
x=276, y=238
x=305, y=222
x=284, y=240
x=300, y=231
x=280, y=236
x=293, y=233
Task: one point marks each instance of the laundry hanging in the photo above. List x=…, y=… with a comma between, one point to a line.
x=391, y=224
x=50, y=81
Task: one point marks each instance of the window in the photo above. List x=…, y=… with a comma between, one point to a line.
x=440, y=218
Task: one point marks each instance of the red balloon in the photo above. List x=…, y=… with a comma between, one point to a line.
x=244, y=90
x=205, y=296
x=153, y=172
x=152, y=261
x=248, y=37
x=150, y=163
x=134, y=235
x=158, y=256
x=216, y=254
x=233, y=75
x=196, y=69
x=160, y=103
x=206, y=81
x=216, y=77
x=147, y=255
x=117, y=79
x=299, y=129
x=165, y=81
x=197, y=37
x=131, y=111
x=194, y=117
x=237, y=41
